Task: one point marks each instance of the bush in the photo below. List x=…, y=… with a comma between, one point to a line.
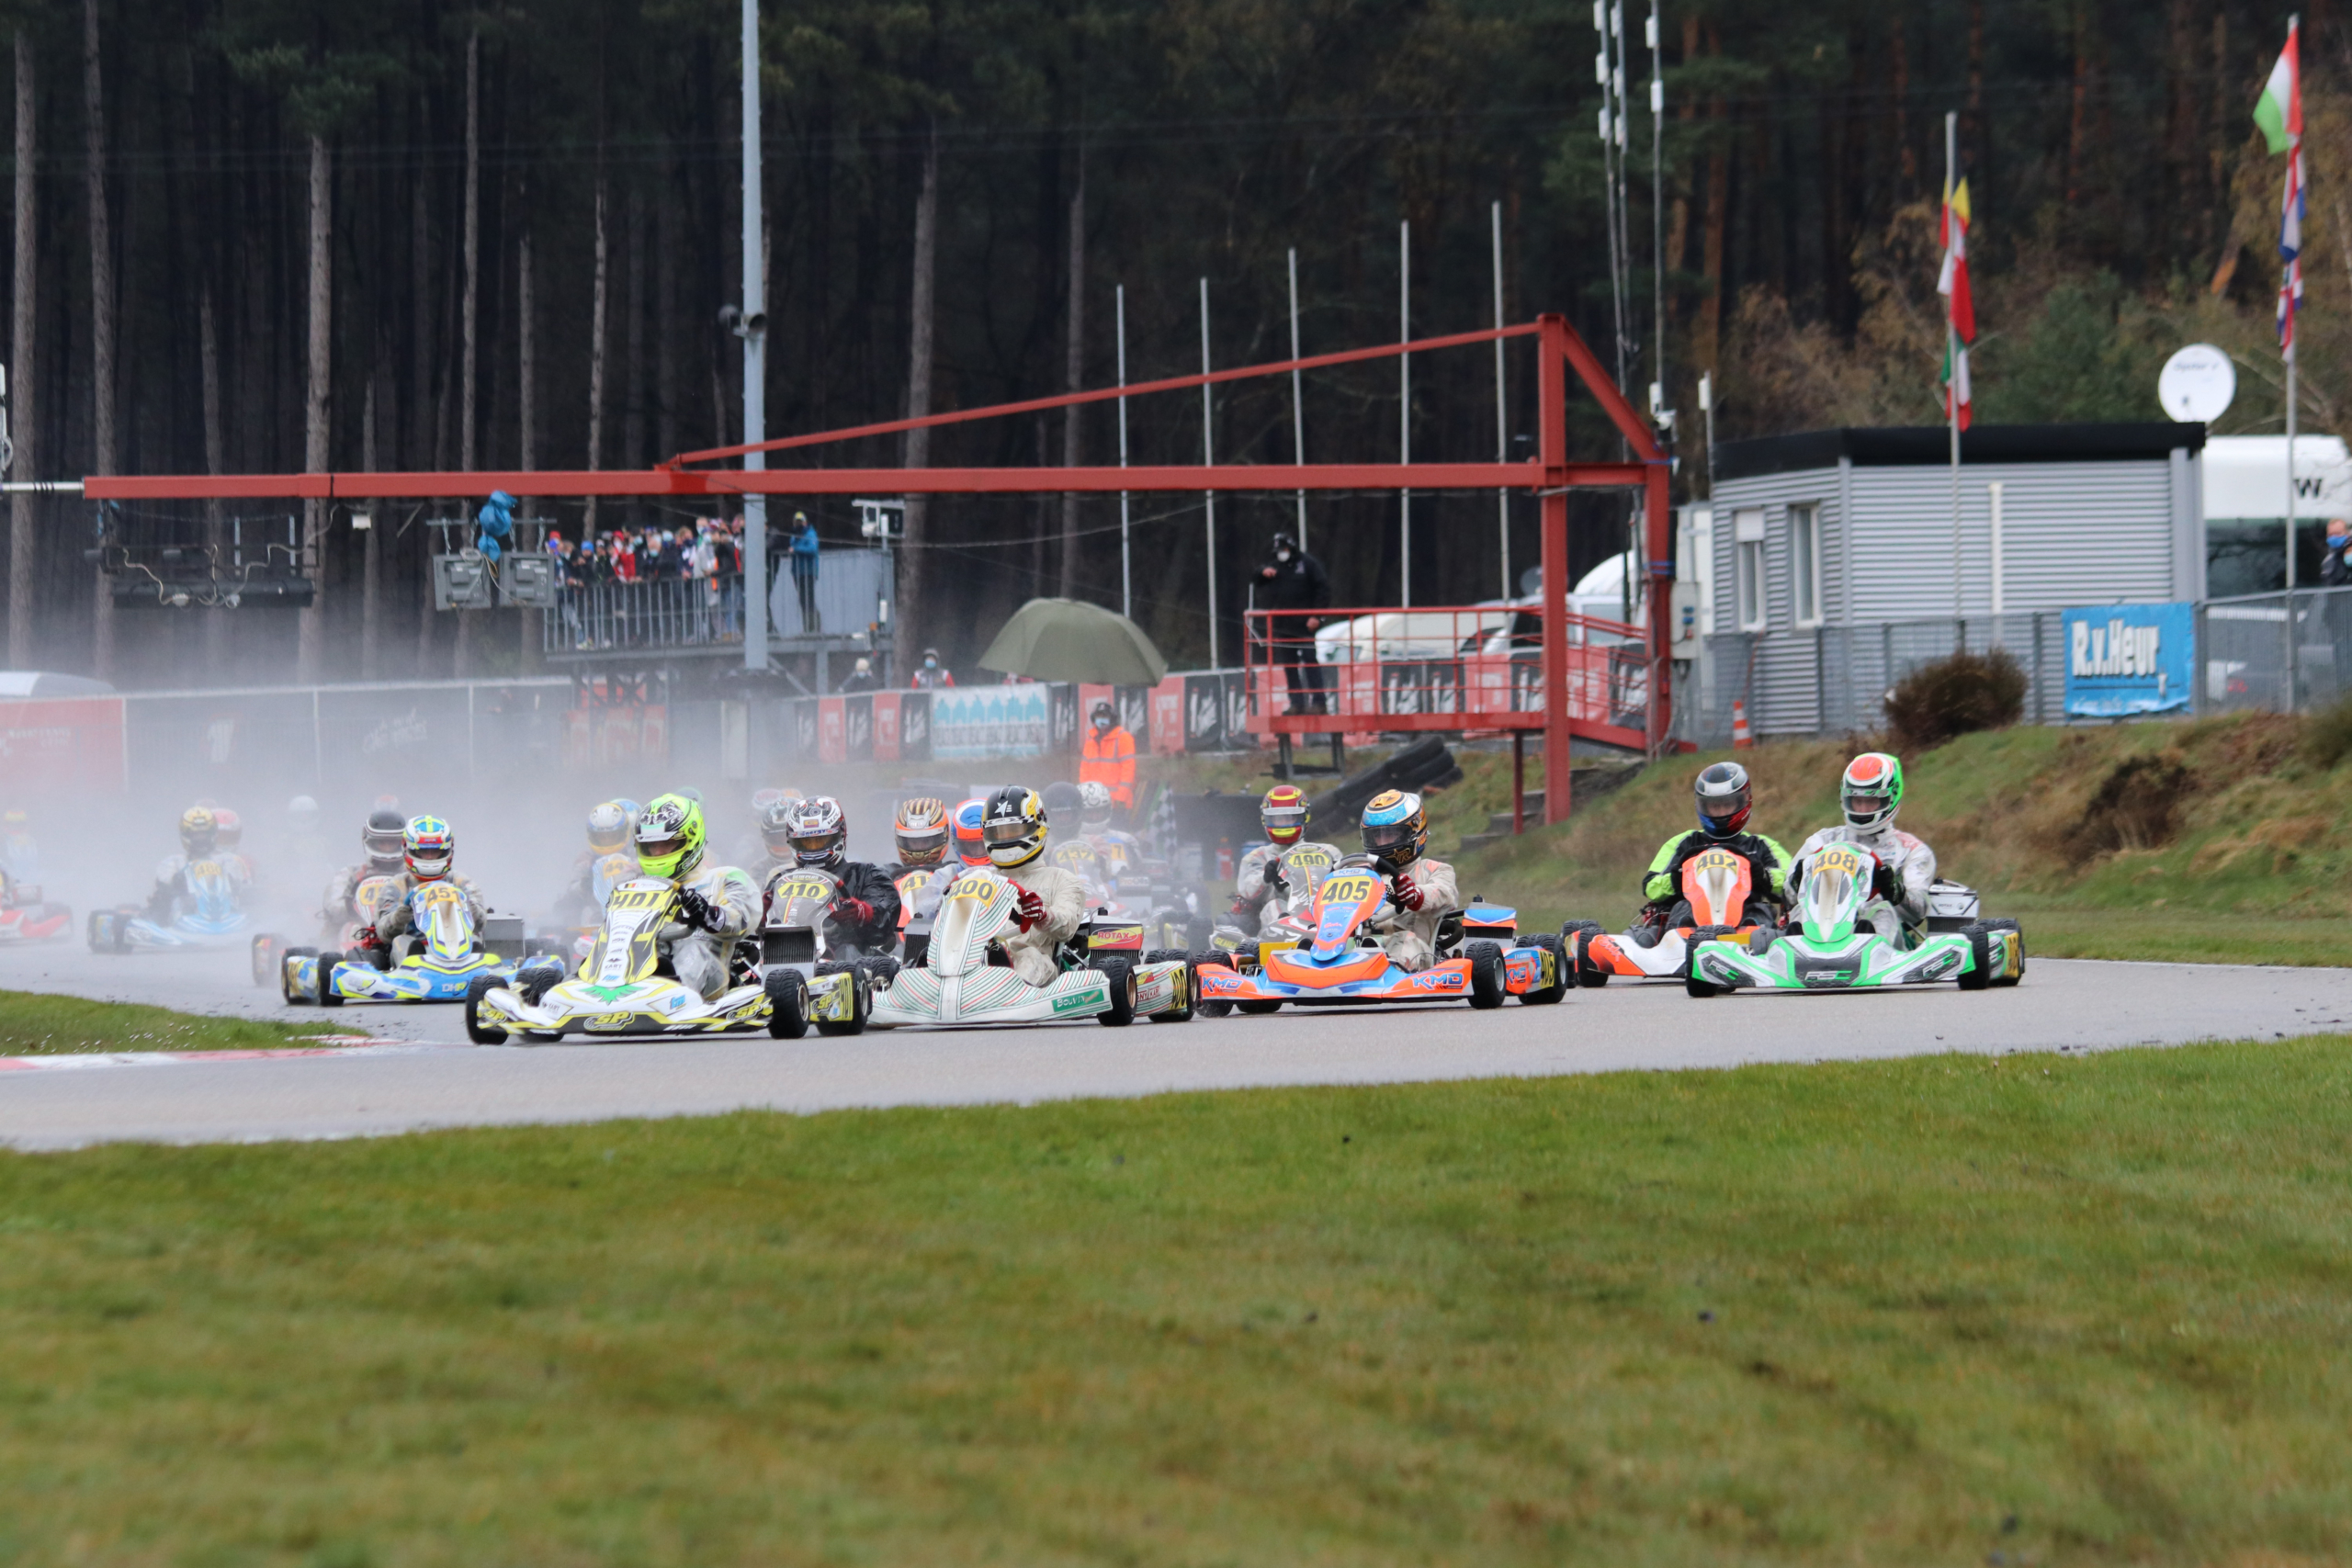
x=2136, y=806
x=1958, y=695
x=2327, y=735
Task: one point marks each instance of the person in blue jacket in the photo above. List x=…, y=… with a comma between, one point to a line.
x=804, y=571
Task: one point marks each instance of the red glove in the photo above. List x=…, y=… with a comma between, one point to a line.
x=366, y=937
x=1407, y=896
x=854, y=911
x=1029, y=909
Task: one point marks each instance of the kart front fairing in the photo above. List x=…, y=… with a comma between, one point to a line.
x=956, y=983
x=620, y=989
x=448, y=957
x=1339, y=962
x=1830, y=948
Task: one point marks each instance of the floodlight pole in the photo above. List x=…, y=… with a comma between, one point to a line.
x=1403, y=411
x=1502, y=418
x=1208, y=458
x=1126, y=515
x=754, y=331
x=1298, y=397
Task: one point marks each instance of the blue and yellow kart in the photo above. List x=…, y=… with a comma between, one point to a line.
x=447, y=954
x=1480, y=958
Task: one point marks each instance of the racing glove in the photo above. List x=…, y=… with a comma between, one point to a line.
x=366, y=937
x=1407, y=896
x=1883, y=884
x=854, y=911
x=1275, y=880
x=695, y=910
x=1028, y=910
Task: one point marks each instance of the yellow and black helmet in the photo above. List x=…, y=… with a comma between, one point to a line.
x=1013, y=827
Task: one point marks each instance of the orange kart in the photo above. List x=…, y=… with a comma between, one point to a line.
x=1717, y=894
x=1339, y=963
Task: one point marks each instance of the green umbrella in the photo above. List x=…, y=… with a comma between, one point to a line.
x=1068, y=640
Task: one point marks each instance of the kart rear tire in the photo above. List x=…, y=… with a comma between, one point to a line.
x=861, y=998
x=1549, y=994
x=1574, y=937
x=268, y=949
x=787, y=992
x=478, y=1031
x=1259, y=1008
x=1485, y=974
x=1698, y=987
x=1190, y=980
x=1212, y=960
x=326, y=995
x=293, y=997
x=532, y=985
x=1121, y=979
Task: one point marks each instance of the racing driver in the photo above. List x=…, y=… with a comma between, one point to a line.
x=199, y=830
x=428, y=854
x=1260, y=880
x=864, y=916
x=716, y=904
x=1725, y=798
x=1869, y=795
x=1051, y=901
x=382, y=838
x=1421, y=891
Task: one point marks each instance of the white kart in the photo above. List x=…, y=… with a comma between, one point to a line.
x=957, y=983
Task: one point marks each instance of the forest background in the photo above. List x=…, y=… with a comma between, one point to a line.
x=269, y=235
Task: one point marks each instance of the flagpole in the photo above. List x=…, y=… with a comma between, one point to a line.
x=2287, y=285
x=1951, y=371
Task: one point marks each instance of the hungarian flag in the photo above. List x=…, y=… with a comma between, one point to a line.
x=1954, y=286
x=2279, y=113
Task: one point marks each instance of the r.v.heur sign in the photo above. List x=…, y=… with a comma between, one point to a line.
x=2129, y=658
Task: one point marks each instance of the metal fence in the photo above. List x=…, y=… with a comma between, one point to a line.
x=2251, y=662
x=670, y=614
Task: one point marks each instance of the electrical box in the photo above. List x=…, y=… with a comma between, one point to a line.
x=462, y=583
x=529, y=580
x=1682, y=619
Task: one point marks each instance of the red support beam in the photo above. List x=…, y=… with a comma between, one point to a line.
x=1551, y=451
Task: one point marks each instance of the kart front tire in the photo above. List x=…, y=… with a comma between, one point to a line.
x=1191, y=981
x=861, y=999
x=1485, y=974
x=1121, y=979
x=293, y=997
x=1212, y=1008
x=326, y=995
x=478, y=1031
x=1265, y=1005
x=1698, y=987
x=1574, y=935
x=267, y=949
x=1548, y=995
x=787, y=992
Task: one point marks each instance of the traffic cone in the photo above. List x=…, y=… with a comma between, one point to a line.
x=1740, y=738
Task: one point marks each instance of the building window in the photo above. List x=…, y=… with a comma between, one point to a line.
x=1747, y=566
x=1804, y=551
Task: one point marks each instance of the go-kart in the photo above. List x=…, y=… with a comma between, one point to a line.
x=371, y=898
x=1717, y=901
x=808, y=982
x=622, y=988
x=212, y=914
x=1341, y=962
x=962, y=978
x=1827, y=946
x=436, y=962
x=26, y=915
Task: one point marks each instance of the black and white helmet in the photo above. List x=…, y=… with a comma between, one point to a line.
x=1723, y=796
x=1093, y=806
x=817, y=832
x=386, y=837
x=1013, y=828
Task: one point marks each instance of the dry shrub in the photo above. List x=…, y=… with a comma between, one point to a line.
x=1956, y=695
x=2137, y=807
x=2327, y=735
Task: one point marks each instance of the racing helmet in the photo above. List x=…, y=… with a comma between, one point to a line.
x=1013, y=828
x=228, y=832
x=302, y=812
x=968, y=818
x=922, y=832
x=1724, y=797
x=1065, y=802
x=1396, y=827
x=763, y=799
x=1871, y=791
x=427, y=846
x=818, y=832
x=383, y=837
x=199, y=830
x=670, y=837
x=1094, y=806
x=1283, y=814
x=607, y=827
x=625, y=803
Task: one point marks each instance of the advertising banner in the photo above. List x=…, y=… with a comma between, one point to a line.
x=991, y=721
x=61, y=746
x=2129, y=658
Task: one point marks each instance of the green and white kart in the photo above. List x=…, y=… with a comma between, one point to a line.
x=1828, y=945
x=622, y=990
x=957, y=982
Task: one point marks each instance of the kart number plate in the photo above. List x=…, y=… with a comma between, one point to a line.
x=1837, y=859
x=803, y=887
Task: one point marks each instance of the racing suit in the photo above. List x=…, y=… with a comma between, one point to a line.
x=339, y=906
x=1031, y=952
x=171, y=889
x=1662, y=883
x=698, y=954
x=1898, y=906
x=1254, y=885
x=398, y=919
x=878, y=932
x=1409, y=936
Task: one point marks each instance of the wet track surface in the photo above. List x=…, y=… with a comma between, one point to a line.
x=2070, y=1004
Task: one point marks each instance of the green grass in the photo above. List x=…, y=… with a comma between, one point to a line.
x=2069, y=1310
x=35, y=1023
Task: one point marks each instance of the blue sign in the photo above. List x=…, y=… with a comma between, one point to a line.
x=2129, y=658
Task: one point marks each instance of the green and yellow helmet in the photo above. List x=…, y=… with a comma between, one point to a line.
x=670, y=837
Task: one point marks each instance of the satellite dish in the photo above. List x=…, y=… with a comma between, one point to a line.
x=2197, y=384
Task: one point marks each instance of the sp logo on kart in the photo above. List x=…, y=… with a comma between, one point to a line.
x=604, y=1020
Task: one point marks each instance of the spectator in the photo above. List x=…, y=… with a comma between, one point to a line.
x=1109, y=757
x=861, y=678
x=2334, y=571
x=624, y=558
x=804, y=572
x=932, y=674
x=1294, y=584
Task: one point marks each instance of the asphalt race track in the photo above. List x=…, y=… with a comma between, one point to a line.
x=430, y=1078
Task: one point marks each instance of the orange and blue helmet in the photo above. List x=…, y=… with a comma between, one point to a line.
x=1396, y=827
x=971, y=846
x=428, y=845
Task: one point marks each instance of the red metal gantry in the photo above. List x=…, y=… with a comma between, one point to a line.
x=1550, y=476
